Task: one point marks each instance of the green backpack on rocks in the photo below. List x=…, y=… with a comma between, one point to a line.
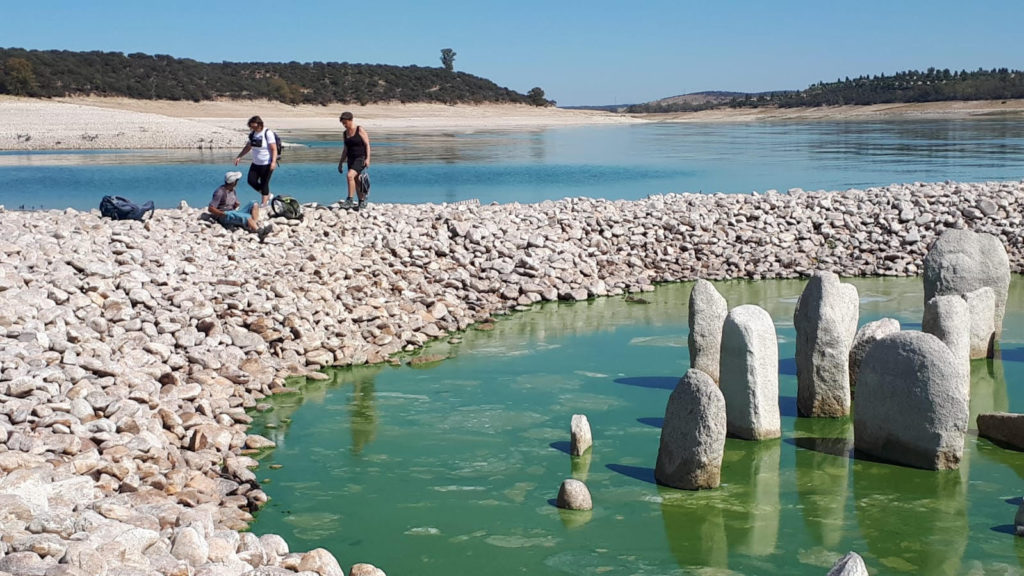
x=286, y=207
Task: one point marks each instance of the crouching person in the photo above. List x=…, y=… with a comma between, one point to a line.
x=225, y=207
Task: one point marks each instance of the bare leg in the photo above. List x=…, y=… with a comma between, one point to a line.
x=352, y=183
x=254, y=216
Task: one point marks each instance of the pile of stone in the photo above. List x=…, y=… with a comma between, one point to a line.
x=131, y=353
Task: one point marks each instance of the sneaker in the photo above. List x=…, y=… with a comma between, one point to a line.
x=361, y=205
x=264, y=231
x=348, y=203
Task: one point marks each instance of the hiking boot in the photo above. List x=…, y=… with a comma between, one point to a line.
x=348, y=204
x=361, y=205
x=264, y=231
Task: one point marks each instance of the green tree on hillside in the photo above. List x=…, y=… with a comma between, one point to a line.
x=448, y=59
x=18, y=78
x=536, y=97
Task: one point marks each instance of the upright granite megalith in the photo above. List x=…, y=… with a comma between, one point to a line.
x=865, y=338
x=826, y=322
x=911, y=404
x=692, y=435
x=749, y=372
x=707, y=313
x=948, y=318
x=961, y=261
x=981, y=305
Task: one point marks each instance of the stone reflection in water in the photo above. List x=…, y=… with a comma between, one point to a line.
x=988, y=390
x=580, y=465
x=823, y=476
x=695, y=526
x=913, y=521
x=752, y=475
x=362, y=411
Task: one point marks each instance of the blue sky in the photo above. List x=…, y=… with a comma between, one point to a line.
x=594, y=52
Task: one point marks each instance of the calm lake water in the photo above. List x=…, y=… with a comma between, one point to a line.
x=452, y=468
x=614, y=162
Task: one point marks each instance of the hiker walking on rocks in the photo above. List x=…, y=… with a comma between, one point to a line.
x=357, y=152
x=225, y=207
x=263, y=145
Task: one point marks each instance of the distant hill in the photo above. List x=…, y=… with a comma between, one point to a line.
x=53, y=73
x=932, y=85
x=695, y=101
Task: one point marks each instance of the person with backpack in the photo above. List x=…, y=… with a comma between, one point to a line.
x=225, y=207
x=357, y=152
x=263, y=144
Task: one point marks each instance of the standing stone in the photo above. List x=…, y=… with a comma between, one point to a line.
x=866, y=336
x=749, y=372
x=708, y=310
x=961, y=261
x=574, y=495
x=581, y=437
x=850, y=565
x=826, y=322
x=911, y=404
x=981, y=305
x=948, y=319
x=693, y=434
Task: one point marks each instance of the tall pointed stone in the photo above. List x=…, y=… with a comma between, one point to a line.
x=692, y=435
x=826, y=323
x=948, y=318
x=749, y=371
x=707, y=313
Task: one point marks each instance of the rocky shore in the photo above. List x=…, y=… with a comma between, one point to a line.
x=131, y=353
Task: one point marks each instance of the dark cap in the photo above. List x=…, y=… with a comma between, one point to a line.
x=346, y=116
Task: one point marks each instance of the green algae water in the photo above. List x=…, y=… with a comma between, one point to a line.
x=453, y=467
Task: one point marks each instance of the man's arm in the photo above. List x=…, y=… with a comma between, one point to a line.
x=243, y=152
x=366, y=139
x=341, y=161
x=273, y=149
x=218, y=197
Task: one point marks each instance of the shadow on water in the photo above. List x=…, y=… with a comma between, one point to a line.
x=656, y=422
x=659, y=382
x=562, y=446
x=642, y=473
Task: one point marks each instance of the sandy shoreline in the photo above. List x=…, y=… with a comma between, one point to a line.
x=95, y=123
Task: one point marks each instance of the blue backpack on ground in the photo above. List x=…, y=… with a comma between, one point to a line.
x=120, y=208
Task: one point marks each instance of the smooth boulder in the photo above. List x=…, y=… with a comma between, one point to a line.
x=962, y=261
x=749, y=371
x=911, y=404
x=692, y=435
x=574, y=495
x=867, y=335
x=826, y=323
x=707, y=313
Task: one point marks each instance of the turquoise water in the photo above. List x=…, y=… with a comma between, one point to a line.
x=614, y=162
x=451, y=468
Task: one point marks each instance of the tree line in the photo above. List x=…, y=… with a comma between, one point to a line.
x=932, y=85
x=58, y=73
